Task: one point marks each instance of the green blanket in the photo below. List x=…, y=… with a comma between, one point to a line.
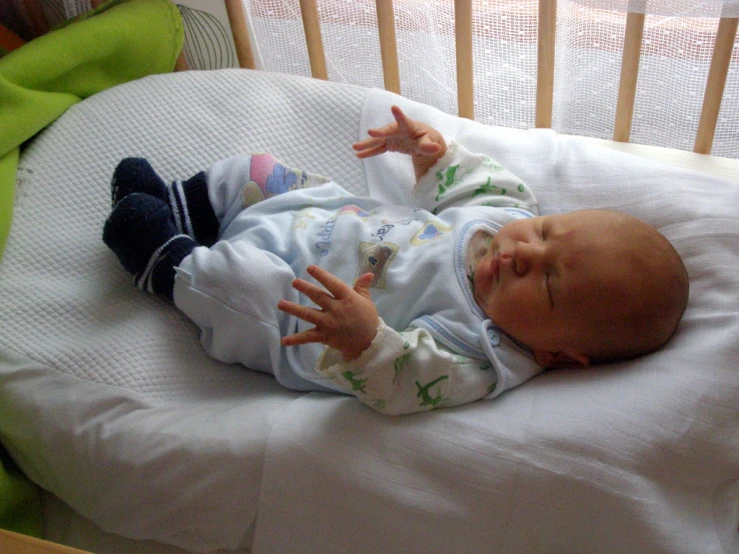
x=39, y=81
x=118, y=42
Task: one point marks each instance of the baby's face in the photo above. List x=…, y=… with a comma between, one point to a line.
x=541, y=275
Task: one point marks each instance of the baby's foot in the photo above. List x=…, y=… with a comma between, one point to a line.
x=140, y=232
x=136, y=175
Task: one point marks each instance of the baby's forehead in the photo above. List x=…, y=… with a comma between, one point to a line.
x=602, y=228
x=588, y=219
x=604, y=258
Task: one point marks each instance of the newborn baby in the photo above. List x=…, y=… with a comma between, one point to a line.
x=461, y=296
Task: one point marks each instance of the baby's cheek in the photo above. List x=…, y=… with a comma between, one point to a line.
x=515, y=292
x=518, y=303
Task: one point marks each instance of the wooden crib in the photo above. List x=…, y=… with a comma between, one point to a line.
x=464, y=30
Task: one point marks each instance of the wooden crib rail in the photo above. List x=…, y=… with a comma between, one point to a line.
x=715, y=84
x=237, y=19
x=545, y=62
x=388, y=45
x=463, y=13
x=629, y=74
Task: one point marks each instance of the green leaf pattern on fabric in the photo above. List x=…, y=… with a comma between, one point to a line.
x=488, y=188
x=400, y=364
x=425, y=395
x=357, y=383
x=447, y=179
x=491, y=165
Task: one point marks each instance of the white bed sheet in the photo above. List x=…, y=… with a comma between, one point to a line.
x=162, y=443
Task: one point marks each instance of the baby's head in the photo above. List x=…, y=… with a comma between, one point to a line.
x=584, y=287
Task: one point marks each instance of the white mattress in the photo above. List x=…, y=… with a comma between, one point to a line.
x=109, y=403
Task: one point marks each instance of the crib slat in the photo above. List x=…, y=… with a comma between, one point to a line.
x=545, y=62
x=463, y=33
x=629, y=75
x=312, y=27
x=716, y=81
x=388, y=45
x=239, y=29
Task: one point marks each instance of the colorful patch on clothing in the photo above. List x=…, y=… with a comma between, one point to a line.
x=269, y=177
x=431, y=230
x=353, y=210
x=375, y=259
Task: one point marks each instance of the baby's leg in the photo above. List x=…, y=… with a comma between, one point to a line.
x=236, y=183
x=231, y=292
x=206, y=203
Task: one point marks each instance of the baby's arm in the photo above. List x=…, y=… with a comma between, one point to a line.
x=458, y=177
x=462, y=178
x=394, y=373
x=420, y=141
x=409, y=372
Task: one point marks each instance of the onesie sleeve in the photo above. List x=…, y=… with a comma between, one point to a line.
x=461, y=178
x=409, y=372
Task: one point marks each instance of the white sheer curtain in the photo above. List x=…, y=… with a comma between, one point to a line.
x=676, y=53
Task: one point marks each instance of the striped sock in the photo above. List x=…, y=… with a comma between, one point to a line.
x=188, y=200
x=159, y=273
x=192, y=212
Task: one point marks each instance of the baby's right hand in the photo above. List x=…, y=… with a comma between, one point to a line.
x=347, y=319
x=420, y=141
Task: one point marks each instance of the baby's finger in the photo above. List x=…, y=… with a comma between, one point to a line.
x=316, y=294
x=428, y=147
x=404, y=123
x=333, y=284
x=311, y=315
x=369, y=152
x=363, y=284
x=385, y=131
x=304, y=337
x=370, y=142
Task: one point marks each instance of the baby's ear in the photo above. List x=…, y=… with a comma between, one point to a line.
x=561, y=360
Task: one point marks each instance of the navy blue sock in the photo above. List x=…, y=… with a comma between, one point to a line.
x=136, y=175
x=188, y=200
x=141, y=233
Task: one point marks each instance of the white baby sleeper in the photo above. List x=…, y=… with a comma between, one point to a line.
x=435, y=346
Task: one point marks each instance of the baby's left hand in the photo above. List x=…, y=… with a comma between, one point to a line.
x=424, y=144
x=347, y=320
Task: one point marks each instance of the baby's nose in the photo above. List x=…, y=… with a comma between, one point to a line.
x=528, y=256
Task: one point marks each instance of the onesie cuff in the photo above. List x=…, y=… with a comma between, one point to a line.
x=331, y=363
x=429, y=178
